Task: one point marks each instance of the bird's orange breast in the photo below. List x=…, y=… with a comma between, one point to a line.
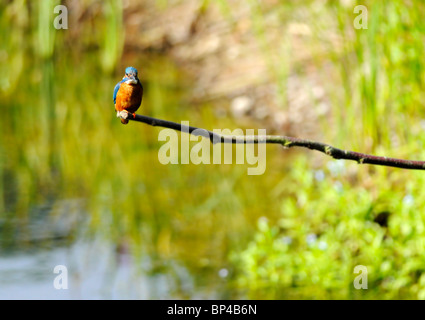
x=129, y=97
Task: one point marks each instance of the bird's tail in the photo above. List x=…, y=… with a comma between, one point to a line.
x=124, y=121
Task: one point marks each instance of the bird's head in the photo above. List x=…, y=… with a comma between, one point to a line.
x=131, y=76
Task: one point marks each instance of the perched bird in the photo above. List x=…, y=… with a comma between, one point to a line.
x=128, y=94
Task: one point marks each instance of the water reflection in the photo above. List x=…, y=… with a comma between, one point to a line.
x=92, y=274
x=95, y=266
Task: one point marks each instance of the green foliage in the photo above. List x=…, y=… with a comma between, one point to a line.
x=327, y=226
x=383, y=70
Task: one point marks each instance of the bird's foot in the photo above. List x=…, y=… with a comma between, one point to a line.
x=123, y=114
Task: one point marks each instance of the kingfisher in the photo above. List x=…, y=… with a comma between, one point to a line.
x=128, y=94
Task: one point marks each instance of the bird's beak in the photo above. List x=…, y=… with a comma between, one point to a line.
x=131, y=80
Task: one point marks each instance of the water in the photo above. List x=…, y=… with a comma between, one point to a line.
x=94, y=271
x=90, y=267
x=79, y=189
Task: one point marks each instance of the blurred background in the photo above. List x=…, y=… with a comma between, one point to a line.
x=79, y=189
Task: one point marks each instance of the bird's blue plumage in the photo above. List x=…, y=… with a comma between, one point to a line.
x=130, y=70
x=117, y=87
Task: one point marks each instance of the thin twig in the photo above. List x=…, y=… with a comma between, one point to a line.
x=287, y=142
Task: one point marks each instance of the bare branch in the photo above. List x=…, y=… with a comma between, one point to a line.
x=287, y=142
